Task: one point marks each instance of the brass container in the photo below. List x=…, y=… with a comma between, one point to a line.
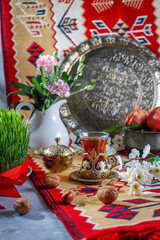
x=57, y=158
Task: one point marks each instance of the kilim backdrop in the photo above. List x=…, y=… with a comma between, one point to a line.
x=31, y=28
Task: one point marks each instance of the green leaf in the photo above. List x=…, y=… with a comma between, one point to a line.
x=122, y=127
x=64, y=77
x=153, y=159
x=39, y=99
x=156, y=159
x=55, y=54
x=133, y=127
x=23, y=87
x=37, y=85
x=14, y=104
x=38, y=78
x=114, y=128
x=20, y=92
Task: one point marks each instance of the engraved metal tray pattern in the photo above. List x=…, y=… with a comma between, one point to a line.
x=127, y=75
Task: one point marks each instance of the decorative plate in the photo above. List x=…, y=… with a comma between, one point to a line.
x=77, y=177
x=127, y=75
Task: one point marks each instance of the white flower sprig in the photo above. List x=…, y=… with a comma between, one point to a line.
x=114, y=145
x=138, y=174
x=141, y=174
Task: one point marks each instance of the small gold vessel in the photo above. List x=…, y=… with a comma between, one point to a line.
x=57, y=158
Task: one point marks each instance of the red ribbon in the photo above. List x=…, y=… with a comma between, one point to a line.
x=15, y=176
x=1, y=207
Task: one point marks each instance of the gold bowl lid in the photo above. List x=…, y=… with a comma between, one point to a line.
x=57, y=150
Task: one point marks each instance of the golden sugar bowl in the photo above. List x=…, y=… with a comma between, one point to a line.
x=57, y=158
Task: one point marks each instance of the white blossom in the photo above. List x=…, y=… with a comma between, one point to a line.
x=110, y=150
x=146, y=151
x=118, y=140
x=131, y=175
x=135, y=189
x=132, y=163
x=134, y=153
x=137, y=164
x=156, y=164
x=156, y=172
x=115, y=146
x=147, y=166
x=142, y=175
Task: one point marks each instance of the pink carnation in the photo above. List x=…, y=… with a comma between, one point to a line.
x=47, y=62
x=60, y=88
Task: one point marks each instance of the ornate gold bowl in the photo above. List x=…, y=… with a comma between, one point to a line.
x=57, y=158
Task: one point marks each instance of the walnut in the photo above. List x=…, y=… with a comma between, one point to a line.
x=22, y=205
x=50, y=181
x=68, y=197
x=107, y=194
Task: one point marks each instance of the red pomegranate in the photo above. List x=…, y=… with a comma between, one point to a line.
x=137, y=116
x=153, y=119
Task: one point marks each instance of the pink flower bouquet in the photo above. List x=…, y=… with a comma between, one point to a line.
x=50, y=84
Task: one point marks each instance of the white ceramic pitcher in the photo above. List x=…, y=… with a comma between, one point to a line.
x=45, y=128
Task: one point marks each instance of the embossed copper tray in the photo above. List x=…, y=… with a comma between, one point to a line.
x=127, y=75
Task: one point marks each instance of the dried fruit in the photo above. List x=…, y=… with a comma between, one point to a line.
x=22, y=205
x=68, y=197
x=153, y=119
x=137, y=116
x=107, y=194
x=50, y=181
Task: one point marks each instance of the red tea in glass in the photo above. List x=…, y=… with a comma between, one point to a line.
x=95, y=164
x=94, y=140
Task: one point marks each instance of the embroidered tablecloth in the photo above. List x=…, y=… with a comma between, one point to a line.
x=87, y=217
